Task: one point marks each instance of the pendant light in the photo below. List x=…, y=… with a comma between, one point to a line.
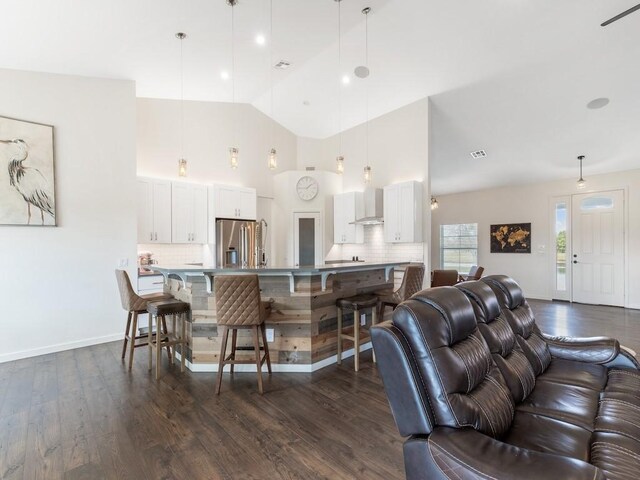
x=182, y=162
x=233, y=151
x=340, y=157
x=272, y=160
x=582, y=183
x=360, y=73
x=434, y=203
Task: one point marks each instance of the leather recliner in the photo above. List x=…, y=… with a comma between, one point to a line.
x=483, y=394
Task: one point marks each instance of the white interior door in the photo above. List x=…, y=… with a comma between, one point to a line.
x=598, y=248
x=307, y=238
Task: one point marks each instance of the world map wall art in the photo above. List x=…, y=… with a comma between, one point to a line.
x=511, y=238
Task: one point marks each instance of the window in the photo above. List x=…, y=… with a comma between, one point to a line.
x=561, y=246
x=459, y=246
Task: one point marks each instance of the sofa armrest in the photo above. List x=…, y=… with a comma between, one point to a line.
x=598, y=350
x=465, y=453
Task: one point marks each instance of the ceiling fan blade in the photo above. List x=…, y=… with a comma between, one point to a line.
x=622, y=15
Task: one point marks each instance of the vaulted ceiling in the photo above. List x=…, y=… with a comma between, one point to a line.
x=510, y=76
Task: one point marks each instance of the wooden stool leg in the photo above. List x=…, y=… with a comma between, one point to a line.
x=126, y=335
x=234, y=341
x=266, y=347
x=150, y=341
x=256, y=344
x=183, y=339
x=158, y=345
x=339, y=354
x=134, y=329
x=356, y=339
x=223, y=351
x=165, y=331
x=374, y=320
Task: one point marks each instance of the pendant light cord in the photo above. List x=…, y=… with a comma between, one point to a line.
x=271, y=66
x=366, y=89
x=233, y=76
x=181, y=99
x=339, y=79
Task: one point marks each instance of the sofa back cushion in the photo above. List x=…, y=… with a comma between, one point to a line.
x=495, y=329
x=521, y=320
x=464, y=386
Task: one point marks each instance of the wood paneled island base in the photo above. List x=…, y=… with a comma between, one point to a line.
x=303, y=312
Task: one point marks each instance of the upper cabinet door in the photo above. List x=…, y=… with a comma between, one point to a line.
x=235, y=202
x=403, y=213
x=145, y=210
x=200, y=214
x=248, y=204
x=181, y=212
x=347, y=208
x=161, y=211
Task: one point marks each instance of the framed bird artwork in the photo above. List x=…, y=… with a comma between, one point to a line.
x=27, y=179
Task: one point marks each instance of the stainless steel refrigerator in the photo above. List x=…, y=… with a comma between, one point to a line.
x=240, y=243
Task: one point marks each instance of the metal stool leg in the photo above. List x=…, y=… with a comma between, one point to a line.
x=183, y=338
x=223, y=351
x=339, y=354
x=256, y=344
x=127, y=336
x=263, y=327
x=158, y=344
x=134, y=329
x=374, y=320
x=234, y=341
x=150, y=341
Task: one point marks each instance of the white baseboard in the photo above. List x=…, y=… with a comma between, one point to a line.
x=283, y=367
x=60, y=347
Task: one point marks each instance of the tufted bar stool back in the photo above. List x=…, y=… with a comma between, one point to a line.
x=238, y=306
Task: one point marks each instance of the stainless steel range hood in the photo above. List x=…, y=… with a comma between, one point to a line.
x=373, y=212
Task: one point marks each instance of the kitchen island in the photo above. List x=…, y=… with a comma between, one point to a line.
x=301, y=328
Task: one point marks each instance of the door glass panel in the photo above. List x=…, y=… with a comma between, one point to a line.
x=307, y=241
x=596, y=202
x=561, y=246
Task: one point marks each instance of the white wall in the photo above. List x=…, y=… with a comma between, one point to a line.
x=210, y=128
x=398, y=151
x=531, y=203
x=58, y=285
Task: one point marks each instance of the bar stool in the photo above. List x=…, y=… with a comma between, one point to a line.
x=355, y=303
x=135, y=305
x=169, y=338
x=238, y=306
x=411, y=284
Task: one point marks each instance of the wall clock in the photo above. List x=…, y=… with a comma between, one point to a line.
x=307, y=188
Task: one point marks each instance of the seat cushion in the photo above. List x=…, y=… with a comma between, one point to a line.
x=358, y=302
x=569, y=403
x=549, y=435
x=617, y=455
x=168, y=307
x=623, y=380
x=619, y=413
x=571, y=372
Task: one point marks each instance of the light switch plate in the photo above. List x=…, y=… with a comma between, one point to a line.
x=271, y=334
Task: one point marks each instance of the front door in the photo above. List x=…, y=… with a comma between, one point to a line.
x=598, y=248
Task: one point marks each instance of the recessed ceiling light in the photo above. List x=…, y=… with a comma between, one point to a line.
x=479, y=154
x=598, y=103
x=224, y=75
x=306, y=103
x=260, y=40
x=346, y=80
x=282, y=65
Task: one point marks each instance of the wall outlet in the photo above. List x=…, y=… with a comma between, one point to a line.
x=271, y=335
x=123, y=263
x=363, y=319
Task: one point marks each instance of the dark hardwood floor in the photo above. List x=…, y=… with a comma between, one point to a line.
x=81, y=415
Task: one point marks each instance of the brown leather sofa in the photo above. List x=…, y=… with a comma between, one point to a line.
x=483, y=394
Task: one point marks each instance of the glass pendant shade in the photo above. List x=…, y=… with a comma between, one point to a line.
x=367, y=174
x=233, y=157
x=272, y=162
x=434, y=203
x=182, y=167
x=340, y=164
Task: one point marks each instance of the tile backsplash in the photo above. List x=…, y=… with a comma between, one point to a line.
x=174, y=254
x=374, y=249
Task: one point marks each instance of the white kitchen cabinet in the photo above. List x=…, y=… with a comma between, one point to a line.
x=235, y=202
x=348, y=207
x=403, y=212
x=154, y=210
x=188, y=213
